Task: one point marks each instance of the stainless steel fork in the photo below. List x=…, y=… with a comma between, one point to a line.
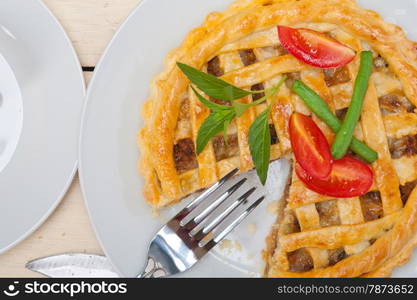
x=191, y=234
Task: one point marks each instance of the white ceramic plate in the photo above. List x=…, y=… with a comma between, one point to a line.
x=41, y=99
x=108, y=153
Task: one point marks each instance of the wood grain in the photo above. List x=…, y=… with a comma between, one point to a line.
x=90, y=25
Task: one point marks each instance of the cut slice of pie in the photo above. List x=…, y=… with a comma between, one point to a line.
x=316, y=236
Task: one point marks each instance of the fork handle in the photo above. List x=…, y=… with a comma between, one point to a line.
x=153, y=270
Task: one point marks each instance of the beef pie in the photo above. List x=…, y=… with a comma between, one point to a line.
x=316, y=235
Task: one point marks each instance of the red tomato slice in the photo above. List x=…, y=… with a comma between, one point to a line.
x=310, y=146
x=315, y=48
x=349, y=178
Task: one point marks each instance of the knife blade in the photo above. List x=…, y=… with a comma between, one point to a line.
x=73, y=265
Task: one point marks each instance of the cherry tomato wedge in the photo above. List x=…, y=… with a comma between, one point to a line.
x=315, y=48
x=349, y=178
x=310, y=146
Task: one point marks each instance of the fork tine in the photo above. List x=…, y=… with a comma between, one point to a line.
x=183, y=213
x=207, y=211
x=219, y=219
x=232, y=226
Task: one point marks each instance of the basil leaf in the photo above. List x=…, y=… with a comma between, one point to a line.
x=213, y=106
x=240, y=108
x=213, y=125
x=211, y=85
x=260, y=145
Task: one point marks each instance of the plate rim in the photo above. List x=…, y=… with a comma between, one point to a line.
x=87, y=102
x=71, y=176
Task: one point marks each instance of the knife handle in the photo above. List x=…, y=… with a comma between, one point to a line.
x=153, y=269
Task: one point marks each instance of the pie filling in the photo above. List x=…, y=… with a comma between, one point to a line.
x=291, y=78
x=224, y=150
x=371, y=205
x=395, y=103
x=407, y=189
x=328, y=213
x=184, y=156
x=214, y=68
x=300, y=260
x=405, y=146
x=336, y=76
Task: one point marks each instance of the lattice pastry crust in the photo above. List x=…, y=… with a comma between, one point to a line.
x=316, y=235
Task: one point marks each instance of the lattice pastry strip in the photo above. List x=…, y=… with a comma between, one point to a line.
x=208, y=173
x=317, y=80
x=350, y=213
x=308, y=216
x=262, y=54
x=375, y=137
x=309, y=219
x=400, y=120
x=232, y=62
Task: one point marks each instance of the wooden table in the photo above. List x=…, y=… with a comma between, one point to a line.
x=90, y=25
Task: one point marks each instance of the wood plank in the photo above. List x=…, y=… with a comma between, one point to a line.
x=90, y=25
x=67, y=230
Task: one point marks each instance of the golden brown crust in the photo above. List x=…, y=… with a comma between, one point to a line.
x=249, y=24
x=401, y=237
x=338, y=236
x=385, y=270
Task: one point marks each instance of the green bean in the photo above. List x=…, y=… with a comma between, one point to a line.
x=322, y=110
x=345, y=135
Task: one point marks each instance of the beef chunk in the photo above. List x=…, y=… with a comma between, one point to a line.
x=184, y=156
